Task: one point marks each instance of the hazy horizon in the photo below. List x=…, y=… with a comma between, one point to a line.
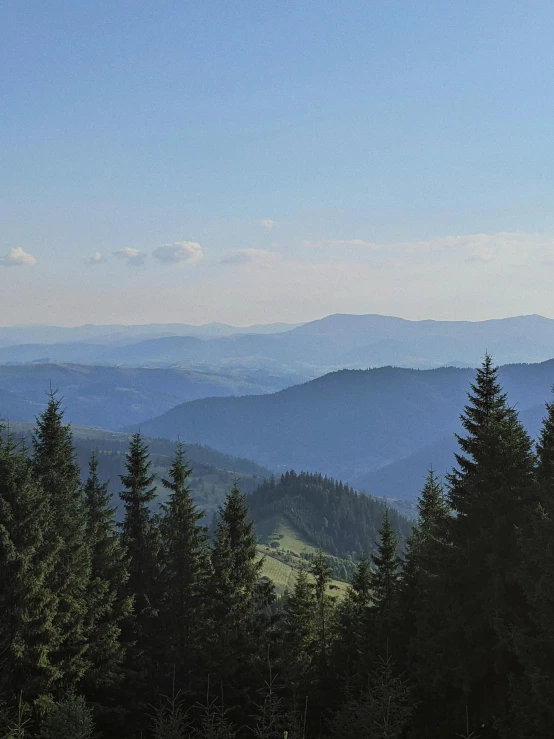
x=267, y=323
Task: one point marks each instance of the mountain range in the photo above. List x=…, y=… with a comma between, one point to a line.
x=378, y=429
x=112, y=397
x=334, y=342
x=122, y=334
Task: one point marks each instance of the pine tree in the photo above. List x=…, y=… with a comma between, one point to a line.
x=71, y=718
x=381, y=711
x=321, y=571
x=532, y=715
x=57, y=471
x=109, y=605
x=297, y=636
x=186, y=573
x=352, y=619
x=142, y=543
x=490, y=490
x=385, y=576
x=321, y=678
x=422, y=599
x=29, y=636
x=140, y=535
x=424, y=548
x=238, y=619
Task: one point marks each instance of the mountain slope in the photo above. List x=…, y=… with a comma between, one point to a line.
x=213, y=472
x=111, y=397
x=350, y=424
x=323, y=512
x=345, y=423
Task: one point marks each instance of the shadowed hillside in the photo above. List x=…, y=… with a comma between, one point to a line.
x=354, y=424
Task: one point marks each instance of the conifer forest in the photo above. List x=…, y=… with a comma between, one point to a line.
x=154, y=625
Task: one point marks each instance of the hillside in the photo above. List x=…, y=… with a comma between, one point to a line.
x=337, y=341
x=319, y=511
x=301, y=512
x=352, y=424
x=213, y=472
x=112, y=397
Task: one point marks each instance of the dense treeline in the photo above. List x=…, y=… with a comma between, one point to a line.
x=326, y=512
x=453, y=637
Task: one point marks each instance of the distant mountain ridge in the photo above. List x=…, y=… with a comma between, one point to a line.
x=112, y=397
x=337, y=341
x=122, y=334
x=379, y=429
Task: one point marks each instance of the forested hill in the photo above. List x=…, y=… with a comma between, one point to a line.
x=351, y=424
x=213, y=472
x=325, y=512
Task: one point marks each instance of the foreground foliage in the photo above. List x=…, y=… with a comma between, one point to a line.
x=149, y=628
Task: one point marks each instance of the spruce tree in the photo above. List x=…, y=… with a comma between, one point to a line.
x=71, y=718
x=422, y=600
x=238, y=617
x=352, y=620
x=142, y=543
x=140, y=536
x=385, y=575
x=322, y=678
x=109, y=604
x=424, y=548
x=321, y=571
x=29, y=634
x=297, y=630
x=532, y=715
x=58, y=473
x=381, y=710
x=187, y=570
x=490, y=490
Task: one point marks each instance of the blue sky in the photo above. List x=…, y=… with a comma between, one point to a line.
x=263, y=161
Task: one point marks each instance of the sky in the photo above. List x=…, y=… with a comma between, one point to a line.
x=255, y=161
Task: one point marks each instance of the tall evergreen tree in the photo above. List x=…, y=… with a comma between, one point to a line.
x=422, y=599
x=239, y=621
x=29, y=636
x=321, y=571
x=140, y=535
x=424, y=549
x=482, y=601
x=142, y=543
x=532, y=715
x=322, y=677
x=297, y=635
x=385, y=576
x=186, y=573
x=109, y=604
x=58, y=473
x=349, y=661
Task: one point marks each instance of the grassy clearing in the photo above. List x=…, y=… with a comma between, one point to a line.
x=284, y=573
x=277, y=528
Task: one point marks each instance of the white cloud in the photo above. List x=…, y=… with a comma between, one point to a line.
x=251, y=257
x=133, y=257
x=16, y=257
x=268, y=223
x=96, y=258
x=180, y=252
